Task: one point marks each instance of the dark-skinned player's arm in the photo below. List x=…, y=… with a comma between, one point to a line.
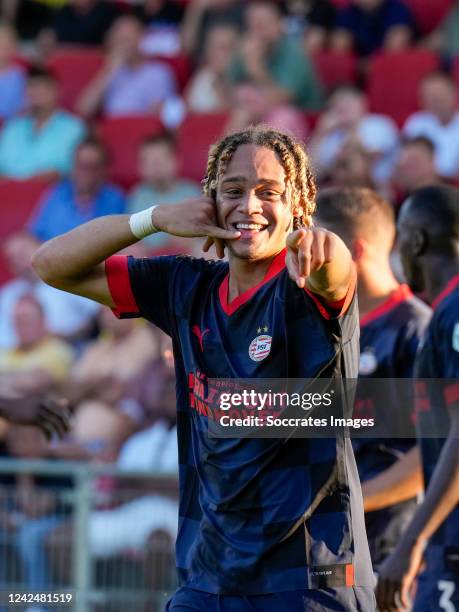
x=74, y=261
x=397, y=573
x=320, y=261
x=401, y=481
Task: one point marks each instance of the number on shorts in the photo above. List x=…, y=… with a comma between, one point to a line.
x=447, y=587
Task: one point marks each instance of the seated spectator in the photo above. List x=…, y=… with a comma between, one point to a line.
x=103, y=389
x=66, y=315
x=208, y=90
x=12, y=79
x=445, y=39
x=84, y=22
x=39, y=361
x=438, y=121
x=370, y=25
x=201, y=16
x=416, y=166
x=126, y=84
x=80, y=198
x=314, y=18
x=272, y=63
x=346, y=116
x=351, y=167
x=158, y=169
x=43, y=140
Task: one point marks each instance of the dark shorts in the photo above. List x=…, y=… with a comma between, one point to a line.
x=345, y=599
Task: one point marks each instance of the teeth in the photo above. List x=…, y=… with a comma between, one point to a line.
x=249, y=226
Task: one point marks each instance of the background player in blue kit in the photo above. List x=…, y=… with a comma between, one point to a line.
x=429, y=246
x=263, y=524
x=392, y=321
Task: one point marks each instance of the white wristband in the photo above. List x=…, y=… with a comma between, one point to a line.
x=141, y=223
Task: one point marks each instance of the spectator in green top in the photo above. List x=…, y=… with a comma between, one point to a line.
x=272, y=62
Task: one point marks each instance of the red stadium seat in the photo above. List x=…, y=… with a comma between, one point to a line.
x=180, y=65
x=17, y=200
x=429, y=13
x=393, y=80
x=335, y=67
x=123, y=135
x=195, y=136
x=74, y=69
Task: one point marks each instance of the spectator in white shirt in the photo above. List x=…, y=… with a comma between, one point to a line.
x=345, y=119
x=438, y=121
x=68, y=316
x=126, y=84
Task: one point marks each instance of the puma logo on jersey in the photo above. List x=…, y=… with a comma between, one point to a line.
x=199, y=334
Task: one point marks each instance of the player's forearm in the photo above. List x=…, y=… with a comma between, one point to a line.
x=441, y=497
x=77, y=253
x=402, y=481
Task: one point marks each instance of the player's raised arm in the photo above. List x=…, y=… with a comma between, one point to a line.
x=74, y=262
x=319, y=260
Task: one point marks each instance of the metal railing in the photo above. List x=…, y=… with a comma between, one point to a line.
x=103, y=535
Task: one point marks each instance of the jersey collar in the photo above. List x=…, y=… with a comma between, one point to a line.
x=276, y=266
x=402, y=293
x=450, y=286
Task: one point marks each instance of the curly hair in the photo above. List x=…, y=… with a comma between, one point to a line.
x=299, y=179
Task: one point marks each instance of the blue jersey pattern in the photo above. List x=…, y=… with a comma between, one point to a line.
x=256, y=515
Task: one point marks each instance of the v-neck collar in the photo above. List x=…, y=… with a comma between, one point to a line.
x=275, y=267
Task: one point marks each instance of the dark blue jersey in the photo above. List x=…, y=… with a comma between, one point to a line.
x=389, y=338
x=256, y=515
x=438, y=357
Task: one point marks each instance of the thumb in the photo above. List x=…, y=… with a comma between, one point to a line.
x=294, y=238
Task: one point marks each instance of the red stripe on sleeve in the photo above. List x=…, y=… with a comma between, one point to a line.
x=337, y=309
x=452, y=394
x=119, y=284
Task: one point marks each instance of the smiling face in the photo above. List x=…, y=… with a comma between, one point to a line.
x=252, y=198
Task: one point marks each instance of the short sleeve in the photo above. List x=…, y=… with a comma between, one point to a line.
x=155, y=288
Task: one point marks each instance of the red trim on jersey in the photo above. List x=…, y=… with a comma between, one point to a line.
x=276, y=266
x=116, y=270
x=329, y=309
x=452, y=394
x=402, y=293
x=349, y=575
x=451, y=286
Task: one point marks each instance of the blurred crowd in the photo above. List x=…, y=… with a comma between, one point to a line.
x=249, y=62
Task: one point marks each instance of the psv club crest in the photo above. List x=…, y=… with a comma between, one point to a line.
x=260, y=347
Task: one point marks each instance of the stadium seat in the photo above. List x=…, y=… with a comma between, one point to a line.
x=393, y=79
x=18, y=199
x=335, y=67
x=123, y=135
x=195, y=136
x=180, y=65
x=429, y=13
x=74, y=69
